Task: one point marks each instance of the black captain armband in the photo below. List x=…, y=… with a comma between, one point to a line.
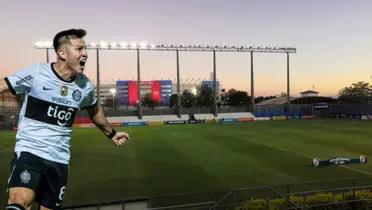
x=112, y=134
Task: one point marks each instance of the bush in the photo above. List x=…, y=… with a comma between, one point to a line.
x=335, y=201
x=253, y=204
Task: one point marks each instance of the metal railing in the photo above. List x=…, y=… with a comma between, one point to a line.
x=230, y=199
x=234, y=198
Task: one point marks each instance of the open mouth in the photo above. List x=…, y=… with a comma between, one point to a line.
x=82, y=63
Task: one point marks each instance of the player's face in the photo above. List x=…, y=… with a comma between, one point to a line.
x=76, y=55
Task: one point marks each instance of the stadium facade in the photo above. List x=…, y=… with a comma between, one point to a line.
x=186, y=84
x=104, y=92
x=160, y=90
x=210, y=84
x=127, y=91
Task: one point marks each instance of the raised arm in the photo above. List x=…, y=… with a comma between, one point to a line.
x=98, y=117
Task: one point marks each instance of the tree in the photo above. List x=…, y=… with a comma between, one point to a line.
x=188, y=99
x=224, y=97
x=148, y=101
x=358, y=93
x=206, y=97
x=173, y=100
x=235, y=97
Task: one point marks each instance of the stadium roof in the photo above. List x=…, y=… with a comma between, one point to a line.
x=276, y=101
x=309, y=91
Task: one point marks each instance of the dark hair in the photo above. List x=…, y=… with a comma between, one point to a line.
x=64, y=36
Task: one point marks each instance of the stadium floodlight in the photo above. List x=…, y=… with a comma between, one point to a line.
x=172, y=47
x=48, y=44
x=92, y=45
x=133, y=45
x=38, y=44
x=43, y=44
x=143, y=45
x=113, y=45
x=123, y=45
x=103, y=45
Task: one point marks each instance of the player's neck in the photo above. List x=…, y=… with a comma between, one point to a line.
x=63, y=71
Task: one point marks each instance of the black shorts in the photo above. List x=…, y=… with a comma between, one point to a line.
x=46, y=178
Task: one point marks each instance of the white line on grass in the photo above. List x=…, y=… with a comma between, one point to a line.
x=357, y=170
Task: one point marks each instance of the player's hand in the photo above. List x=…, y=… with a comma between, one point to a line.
x=120, y=138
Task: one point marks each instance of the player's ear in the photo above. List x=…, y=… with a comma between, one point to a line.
x=61, y=53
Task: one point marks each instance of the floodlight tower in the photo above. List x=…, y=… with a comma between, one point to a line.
x=103, y=45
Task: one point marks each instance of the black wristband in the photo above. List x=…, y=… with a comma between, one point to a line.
x=112, y=134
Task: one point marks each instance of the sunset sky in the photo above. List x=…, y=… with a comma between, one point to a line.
x=333, y=39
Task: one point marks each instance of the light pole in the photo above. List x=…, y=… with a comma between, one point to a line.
x=179, y=107
x=47, y=55
x=113, y=93
x=288, y=90
x=139, y=104
x=252, y=84
x=98, y=78
x=215, y=111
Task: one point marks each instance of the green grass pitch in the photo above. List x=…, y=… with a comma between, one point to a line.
x=191, y=158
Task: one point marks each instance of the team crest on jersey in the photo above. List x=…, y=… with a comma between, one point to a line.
x=25, y=177
x=76, y=95
x=64, y=91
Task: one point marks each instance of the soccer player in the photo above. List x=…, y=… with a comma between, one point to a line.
x=53, y=93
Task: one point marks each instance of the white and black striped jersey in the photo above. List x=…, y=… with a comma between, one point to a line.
x=48, y=110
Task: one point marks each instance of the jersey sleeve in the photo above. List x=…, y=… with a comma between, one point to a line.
x=22, y=81
x=90, y=98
